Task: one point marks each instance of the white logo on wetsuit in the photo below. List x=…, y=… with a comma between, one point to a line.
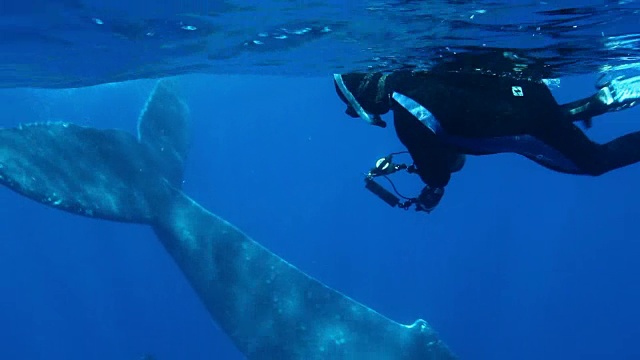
x=517, y=91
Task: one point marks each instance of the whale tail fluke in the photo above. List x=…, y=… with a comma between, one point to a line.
x=163, y=128
x=107, y=174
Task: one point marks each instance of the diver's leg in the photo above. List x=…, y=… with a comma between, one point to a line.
x=584, y=109
x=590, y=157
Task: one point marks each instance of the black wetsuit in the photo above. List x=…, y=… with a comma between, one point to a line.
x=477, y=106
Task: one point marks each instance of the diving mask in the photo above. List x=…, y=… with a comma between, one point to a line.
x=355, y=105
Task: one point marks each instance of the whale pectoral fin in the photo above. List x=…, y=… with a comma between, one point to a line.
x=163, y=127
x=96, y=173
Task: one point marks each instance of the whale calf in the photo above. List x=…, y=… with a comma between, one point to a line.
x=268, y=308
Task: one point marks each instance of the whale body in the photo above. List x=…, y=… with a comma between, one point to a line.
x=268, y=308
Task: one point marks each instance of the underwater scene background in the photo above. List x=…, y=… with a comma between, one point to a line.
x=517, y=262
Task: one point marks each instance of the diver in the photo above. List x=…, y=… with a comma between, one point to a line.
x=451, y=111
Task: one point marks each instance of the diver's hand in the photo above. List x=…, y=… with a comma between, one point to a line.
x=429, y=198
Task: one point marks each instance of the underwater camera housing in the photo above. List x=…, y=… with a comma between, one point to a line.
x=384, y=194
x=383, y=167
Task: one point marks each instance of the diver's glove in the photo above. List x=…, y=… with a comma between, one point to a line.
x=429, y=198
x=620, y=92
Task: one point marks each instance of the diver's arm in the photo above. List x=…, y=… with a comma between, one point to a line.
x=432, y=160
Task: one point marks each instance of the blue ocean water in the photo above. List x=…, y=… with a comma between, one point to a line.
x=517, y=262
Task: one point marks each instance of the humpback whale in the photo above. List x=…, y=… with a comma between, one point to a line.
x=267, y=307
